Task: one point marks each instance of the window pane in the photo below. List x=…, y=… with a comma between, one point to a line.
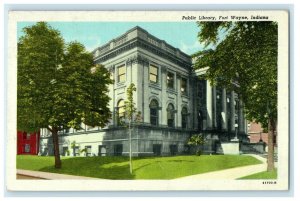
x=170, y=115
x=184, y=111
x=153, y=112
x=122, y=78
x=153, y=121
x=153, y=78
x=153, y=70
x=121, y=70
x=121, y=74
x=27, y=148
x=153, y=104
x=170, y=80
x=183, y=85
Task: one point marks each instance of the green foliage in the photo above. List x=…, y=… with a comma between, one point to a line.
x=131, y=113
x=130, y=108
x=196, y=140
x=144, y=168
x=244, y=59
x=84, y=150
x=56, y=87
x=73, y=144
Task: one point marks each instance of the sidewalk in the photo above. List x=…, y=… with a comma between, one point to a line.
x=51, y=176
x=232, y=173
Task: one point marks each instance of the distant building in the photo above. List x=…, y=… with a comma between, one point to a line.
x=258, y=134
x=28, y=143
x=174, y=103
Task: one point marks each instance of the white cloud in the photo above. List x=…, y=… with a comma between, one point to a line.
x=191, y=48
x=90, y=42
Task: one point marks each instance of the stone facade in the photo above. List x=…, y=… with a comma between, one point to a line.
x=172, y=100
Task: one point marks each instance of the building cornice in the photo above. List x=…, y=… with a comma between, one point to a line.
x=144, y=45
x=138, y=37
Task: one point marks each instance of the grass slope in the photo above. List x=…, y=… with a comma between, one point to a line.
x=262, y=175
x=143, y=168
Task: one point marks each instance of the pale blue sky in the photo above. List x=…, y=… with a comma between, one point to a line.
x=182, y=35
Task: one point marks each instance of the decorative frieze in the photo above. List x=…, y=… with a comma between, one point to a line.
x=137, y=59
x=136, y=42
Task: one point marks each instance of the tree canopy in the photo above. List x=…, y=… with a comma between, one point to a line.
x=244, y=59
x=59, y=86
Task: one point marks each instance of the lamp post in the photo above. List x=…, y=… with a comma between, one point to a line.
x=236, y=132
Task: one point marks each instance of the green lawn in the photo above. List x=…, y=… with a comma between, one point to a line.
x=262, y=175
x=143, y=168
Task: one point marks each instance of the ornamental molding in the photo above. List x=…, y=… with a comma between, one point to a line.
x=137, y=59
x=140, y=43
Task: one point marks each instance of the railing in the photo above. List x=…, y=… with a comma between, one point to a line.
x=103, y=49
x=120, y=41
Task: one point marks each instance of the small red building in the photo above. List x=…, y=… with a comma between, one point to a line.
x=28, y=143
x=257, y=134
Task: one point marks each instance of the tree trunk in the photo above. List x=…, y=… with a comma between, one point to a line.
x=56, y=148
x=271, y=130
x=130, y=149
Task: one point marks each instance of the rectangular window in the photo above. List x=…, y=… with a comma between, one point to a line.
x=153, y=116
x=88, y=150
x=121, y=74
x=27, y=148
x=66, y=151
x=153, y=73
x=156, y=149
x=184, y=86
x=118, y=149
x=101, y=150
x=170, y=80
x=76, y=151
x=28, y=136
x=173, y=149
x=111, y=76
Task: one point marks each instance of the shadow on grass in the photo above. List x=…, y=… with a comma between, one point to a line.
x=91, y=167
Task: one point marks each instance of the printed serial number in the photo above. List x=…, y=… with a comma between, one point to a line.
x=269, y=182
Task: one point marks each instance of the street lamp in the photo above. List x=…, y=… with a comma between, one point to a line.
x=236, y=130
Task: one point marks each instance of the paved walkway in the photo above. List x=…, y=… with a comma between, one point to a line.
x=50, y=176
x=232, y=173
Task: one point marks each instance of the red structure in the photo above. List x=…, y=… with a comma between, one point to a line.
x=28, y=143
x=257, y=134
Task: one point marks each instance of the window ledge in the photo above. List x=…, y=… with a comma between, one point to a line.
x=173, y=91
x=155, y=85
x=185, y=95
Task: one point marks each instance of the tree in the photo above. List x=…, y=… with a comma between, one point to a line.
x=131, y=116
x=243, y=58
x=196, y=140
x=58, y=85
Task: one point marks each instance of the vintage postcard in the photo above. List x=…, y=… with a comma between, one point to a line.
x=148, y=100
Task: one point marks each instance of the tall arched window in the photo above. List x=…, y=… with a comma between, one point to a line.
x=154, y=112
x=184, y=117
x=121, y=111
x=170, y=115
